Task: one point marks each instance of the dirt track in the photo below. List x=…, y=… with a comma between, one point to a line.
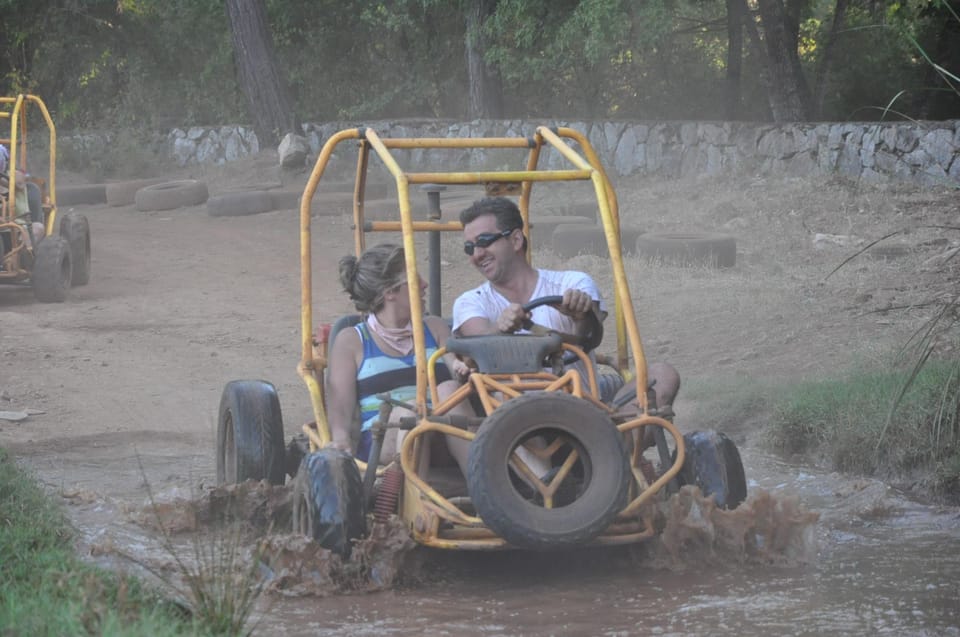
x=131, y=367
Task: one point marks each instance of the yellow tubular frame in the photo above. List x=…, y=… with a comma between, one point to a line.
x=18, y=153
x=422, y=506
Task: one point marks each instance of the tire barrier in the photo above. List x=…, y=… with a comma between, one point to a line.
x=171, y=194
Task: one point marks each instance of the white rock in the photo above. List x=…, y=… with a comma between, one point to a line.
x=821, y=240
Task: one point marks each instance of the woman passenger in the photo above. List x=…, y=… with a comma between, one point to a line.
x=377, y=356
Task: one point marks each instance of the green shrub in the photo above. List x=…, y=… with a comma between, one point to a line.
x=46, y=590
x=891, y=422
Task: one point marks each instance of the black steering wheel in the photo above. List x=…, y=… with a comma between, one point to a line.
x=588, y=341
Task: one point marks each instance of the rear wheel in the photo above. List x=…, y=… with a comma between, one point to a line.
x=328, y=500
x=713, y=464
x=52, y=270
x=548, y=514
x=250, y=433
x=75, y=229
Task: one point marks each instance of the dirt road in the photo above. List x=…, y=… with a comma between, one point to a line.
x=130, y=368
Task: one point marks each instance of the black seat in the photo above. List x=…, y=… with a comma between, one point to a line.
x=507, y=354
x=348, y=320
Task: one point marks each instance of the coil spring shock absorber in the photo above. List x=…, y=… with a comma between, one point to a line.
x=389, y=494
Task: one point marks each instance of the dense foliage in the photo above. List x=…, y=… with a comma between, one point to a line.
x=157, y=63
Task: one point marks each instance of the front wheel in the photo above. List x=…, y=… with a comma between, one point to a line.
x=52, y=270
x=713, y=464
x=328, y=500
x=75, y=229
x=250, y=433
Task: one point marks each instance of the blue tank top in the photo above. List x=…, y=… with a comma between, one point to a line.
x=380, y=372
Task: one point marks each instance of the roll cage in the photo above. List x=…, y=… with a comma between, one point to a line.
x=423, y=506
x=13, y=134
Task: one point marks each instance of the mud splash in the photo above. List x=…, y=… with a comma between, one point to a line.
x=296, y=566
x=257, y=516
x=692, y=531
x=765, y=529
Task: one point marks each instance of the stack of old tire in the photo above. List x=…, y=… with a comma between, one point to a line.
x=145, y=194
x=578, y=231
x=333, y=198
x=170, y=195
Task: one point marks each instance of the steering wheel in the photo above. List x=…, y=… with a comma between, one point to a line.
x=587, y=342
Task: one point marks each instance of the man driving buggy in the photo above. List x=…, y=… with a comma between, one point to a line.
x=496, y=245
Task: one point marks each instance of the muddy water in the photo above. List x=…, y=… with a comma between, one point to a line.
x=880, y=564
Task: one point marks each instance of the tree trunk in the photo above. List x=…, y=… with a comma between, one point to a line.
x=485, y=87
x=826, y=58
x=789, y=94
x=734, y=59
x=267, y=96
x=756, y=44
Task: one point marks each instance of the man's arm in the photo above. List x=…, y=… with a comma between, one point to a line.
x=510, y=320
x=470, y=316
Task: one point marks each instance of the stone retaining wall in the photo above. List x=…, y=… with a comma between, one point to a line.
x=927, y=152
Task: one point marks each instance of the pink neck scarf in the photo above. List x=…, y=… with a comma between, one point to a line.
x=399, y=338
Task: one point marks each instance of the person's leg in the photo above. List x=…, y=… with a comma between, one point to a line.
x=459, y=447
x=666, y=383
x=394, y=436
x=35, y=202
x=39, y=231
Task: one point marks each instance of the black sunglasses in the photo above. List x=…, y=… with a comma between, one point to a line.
x=485, y=240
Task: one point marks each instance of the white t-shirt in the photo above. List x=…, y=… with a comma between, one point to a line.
x=485, y=302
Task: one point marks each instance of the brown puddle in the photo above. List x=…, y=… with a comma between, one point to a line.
x=765, y=529
x=864, y=562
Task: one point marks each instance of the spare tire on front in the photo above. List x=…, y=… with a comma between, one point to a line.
x=585, y=502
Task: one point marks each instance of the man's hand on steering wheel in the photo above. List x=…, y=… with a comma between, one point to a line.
x=589, y=326
x=513, y=318
x=576, y=304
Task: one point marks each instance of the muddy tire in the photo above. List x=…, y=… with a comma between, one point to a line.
x=689, y=248
x=52, y=270
x=239, y=204
x=600, y=477
x=328, y=500
x=713, y=464
x=171, y=194
x=250, y=433
x=75, y=229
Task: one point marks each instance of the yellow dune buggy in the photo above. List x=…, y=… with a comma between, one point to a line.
x=49, y=263
x=601, y=487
